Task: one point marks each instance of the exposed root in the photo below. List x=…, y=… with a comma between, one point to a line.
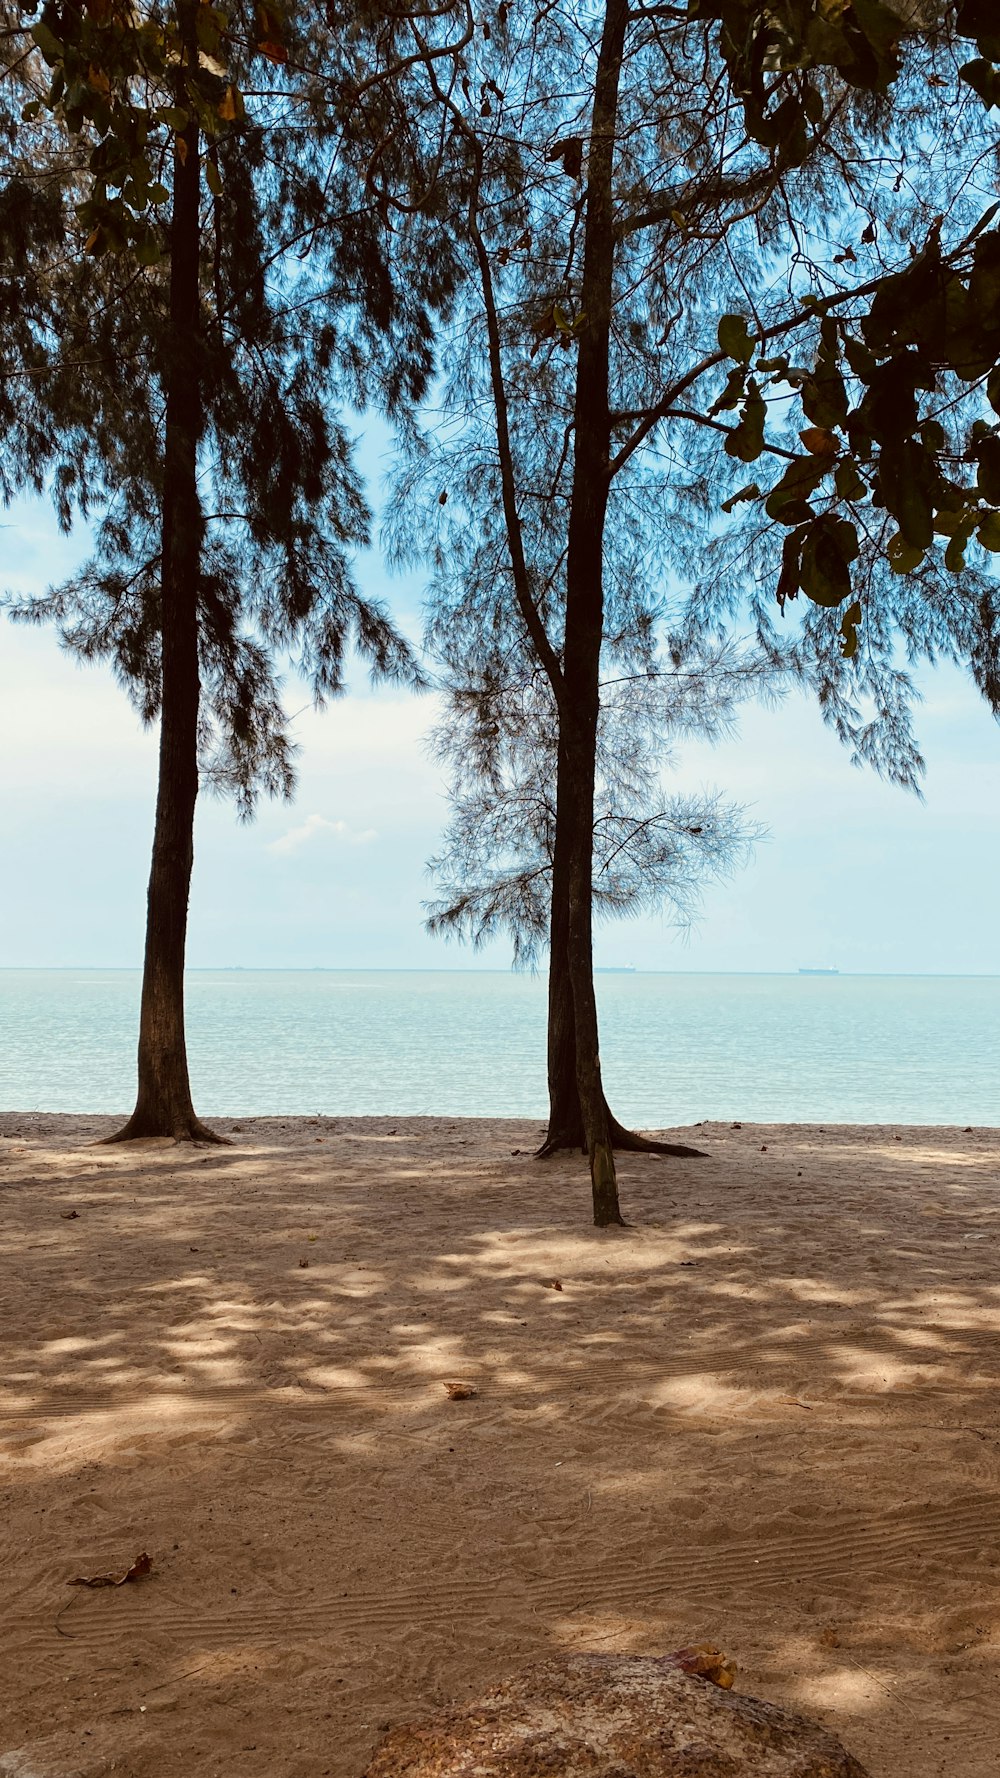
x=630, y=1142
x=626, y=1141
x=558, y=1144
x=141, y=1128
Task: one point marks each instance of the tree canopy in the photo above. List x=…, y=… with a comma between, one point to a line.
x=594, y=262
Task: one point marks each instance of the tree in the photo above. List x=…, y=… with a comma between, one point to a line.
x=896, y=377
x=57, y=345
x=627, y=173
x=219, y=550
x=498, y=737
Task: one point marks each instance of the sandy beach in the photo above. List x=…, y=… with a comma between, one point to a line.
x=765, y=1415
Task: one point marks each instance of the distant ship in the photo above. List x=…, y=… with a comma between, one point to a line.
x=614, y=969
x=827, y=971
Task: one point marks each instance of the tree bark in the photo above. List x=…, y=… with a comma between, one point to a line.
x=565, y=1125
x=565, y=1117
x=164, y=1106
x=584, y=632
x=579, y=704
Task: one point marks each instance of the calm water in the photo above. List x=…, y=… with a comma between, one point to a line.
x=676, y=1048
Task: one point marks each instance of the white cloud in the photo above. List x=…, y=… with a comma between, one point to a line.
x=296, y=837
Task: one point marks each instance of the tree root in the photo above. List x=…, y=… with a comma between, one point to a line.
x=626, y=1141
x=142, y=1128
x=630, y=1142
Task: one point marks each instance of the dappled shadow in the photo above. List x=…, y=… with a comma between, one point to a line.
x=766, y=1414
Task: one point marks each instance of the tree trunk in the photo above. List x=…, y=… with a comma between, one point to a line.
x=579, y=695
x=565, y=1126
x=565, y=1117
x=163, y=1105
x=584, y=631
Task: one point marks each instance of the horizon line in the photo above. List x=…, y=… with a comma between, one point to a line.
x=443, y=969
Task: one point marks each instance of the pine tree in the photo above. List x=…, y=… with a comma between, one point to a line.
x=259, y=294
x=649, y=195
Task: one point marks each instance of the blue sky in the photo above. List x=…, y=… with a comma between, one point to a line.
x=853, y=872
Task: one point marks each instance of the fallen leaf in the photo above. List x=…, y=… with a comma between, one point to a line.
x=763, y=1148
x=552, y=1283
x=68, y=1215
x=460, y=1391
x=829, y=1638
x=706, y=1662
x=303, y=1263
x=139, y=1569
x=794, y=1402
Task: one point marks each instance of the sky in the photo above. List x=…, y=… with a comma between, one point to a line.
x=852, y=873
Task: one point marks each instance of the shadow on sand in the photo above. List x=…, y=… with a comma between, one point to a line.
x=765, y=1415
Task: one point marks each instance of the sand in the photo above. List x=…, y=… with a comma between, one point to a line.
x=765, y=1415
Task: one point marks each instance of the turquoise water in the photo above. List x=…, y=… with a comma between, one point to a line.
x=676, y=1048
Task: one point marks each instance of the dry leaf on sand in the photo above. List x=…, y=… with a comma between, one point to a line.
x=139, y=1569
x=552, y=1283
x=460, y=1391
x=707, y=1662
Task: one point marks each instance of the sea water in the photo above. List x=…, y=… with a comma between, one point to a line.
x=675, y=1048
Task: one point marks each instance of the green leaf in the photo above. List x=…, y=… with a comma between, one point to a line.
x=829, y=548
x=978, y=19
x=213, y=178
x=954, y=555
x=848, y=481
x=746, y=441
x=903, y=556
x=824, y=397
x=788, y=499
x=989, y=532
x=47, y=42
x=734, y=339
x=982, y=78
x=733, y=392
x=908, y=483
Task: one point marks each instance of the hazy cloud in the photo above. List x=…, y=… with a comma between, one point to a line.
x=297, y=837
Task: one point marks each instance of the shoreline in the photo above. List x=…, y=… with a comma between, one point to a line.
x=229, y=1123
x=765, y=1415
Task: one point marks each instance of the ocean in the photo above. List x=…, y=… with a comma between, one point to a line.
x=675, y=1048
